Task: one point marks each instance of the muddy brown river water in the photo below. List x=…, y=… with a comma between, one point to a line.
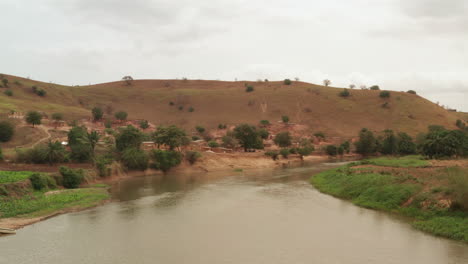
x=269, y=216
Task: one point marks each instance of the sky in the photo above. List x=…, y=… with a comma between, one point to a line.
x=399, y=45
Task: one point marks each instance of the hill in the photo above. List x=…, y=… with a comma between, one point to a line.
x=316, y=107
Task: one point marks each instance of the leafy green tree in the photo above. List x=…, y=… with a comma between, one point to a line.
x=345, y=93
x=97, y=113
x=192, y=156
x=135, y=159
x=374, y=87
x=41, y=93
x=121, y=115
x=445, y=143
x=200, y=129
x=263, y=133
x=213, y=144
x=144, y=124
x=171, y=136
x=287, y=82
x=273, y=154
x=8, y=92
x=79, y=144
x=284, y=152
x=128, y=137
x=384, y=94
x=411, y=92
x=285, y=119
x=33, y=118
x=331, y=150
x=164, y=160
x=406, y=145
x=7, y=130
x=389, y=143
x=367, y=144
x=264, y=123
x=248, y=137
x=249, y=88
x=283, y=139
x=305, y=148
x=346, y=146
x=55, y=153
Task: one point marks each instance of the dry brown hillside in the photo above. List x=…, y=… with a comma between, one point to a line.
x=317, y=107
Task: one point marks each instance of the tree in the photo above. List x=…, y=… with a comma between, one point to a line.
x=213, y=144
x=7, y=130
x=411, y=92
x=55, y=152
x=128, y=80
x=285, y=119
x=389, y=143
x=144, y=124
x=93, y=139
x=248, y=137
x=263, y=133
x=135, y=159
x=57, y=116
x=374, y=87
x=71, y=178
x=249, y=88
x=367, y=143
x=460, y=124
x=344, y=93
x=200, y=129
x=331, y=150
x=128, y=137
x=306, y=148
x=170, y=136
x=326, y=82
x=283, y=139
x=97, y=113
x=41, y=92
x=229, y=141
x=352, y=86
x=33, y=118
x=5, y=82
x=346, y=146
x=445, y=143
x=8, y=92
x=287, y=82
x=264, y=123
x=164, y=160
x=78, y=141
x=121, y=115
x=406, y=145
x=384, y=94
x=192, y=156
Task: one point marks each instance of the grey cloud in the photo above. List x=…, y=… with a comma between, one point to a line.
x=436, y=9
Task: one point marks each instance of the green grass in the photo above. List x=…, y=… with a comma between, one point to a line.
x=387, y=193
x=402, y=162
x=38, y=204
x=14, y=176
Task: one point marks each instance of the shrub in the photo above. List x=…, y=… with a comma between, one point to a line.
x=273, y=154
x=374, y=87
x=320, y=135
x=460, y=124
x=42, y=181
x=121, y=115
x=71, y=178
x=248, y=137
x=283, y=139
x=459, y=182
x=171, y=103
x=284, y=152
x=144, y=124
x=8, y=92
x=195, y=138
x=367, y=143
x=191, y=109
x=33, y=118
x=346, y=146
x=411, y=92
x=344, y=93
x=285, y=119
x=192, y=156
x=7, y=130
x=34, y=89
x=229, y=142
x=249, y=88
x=406, y=145
x=385, y=94
x=108, y=124
x=102, y=163
x=97, y=113
x=264, y=123
x=287, y=82
x=222, y=126
x=440, y=143
x=170, y=136
x=331, y=150
x=200, y=129
x=41, y=92
x=181, y=107
x=213, y=144
x=135, y=159
x=164, y=160
x=263, y=133
x=128, y=137
x=5, y=82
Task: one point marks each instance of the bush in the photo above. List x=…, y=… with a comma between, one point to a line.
x=287, y=82
x=195, y=138
x=263, y=133
x=41, y=92
x=36, y=155
x=5, y=82
x=121, y=115
x=8, y=92
x=71, y=178
x=367, y=143
x=102, y=163
x=284, y=152
x=164, y=160
x=200, y=129
x=7, y=130
x=374, y=87
x=320, y=135
x=331, y=150
x=222, y=126
x=97, y=113
x=344, y=93
x=191, y=109
x=285, y=119
x=249, y=88
x=33, y=118
x=264, y=123
x=213, y=144
x=229, y=142
x=135, y=159
x=144, y=124
x=42, y=181
x=283, y=139
x=192, y=156
x=385, y=94
x=273, y=154
x=411, y=92
x=171, y=103
x=128, y=137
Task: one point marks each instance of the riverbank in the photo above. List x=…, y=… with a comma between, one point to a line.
x=433, y=194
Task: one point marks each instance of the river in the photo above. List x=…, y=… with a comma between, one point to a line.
x=269, y=216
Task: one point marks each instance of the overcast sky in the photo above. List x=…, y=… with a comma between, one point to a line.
x=397, y=44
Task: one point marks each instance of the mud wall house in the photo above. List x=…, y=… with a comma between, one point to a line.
x=148, y=145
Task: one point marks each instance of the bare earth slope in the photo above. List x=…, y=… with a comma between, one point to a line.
x=317, y=107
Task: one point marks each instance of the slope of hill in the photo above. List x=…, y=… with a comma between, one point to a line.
x=317, y=107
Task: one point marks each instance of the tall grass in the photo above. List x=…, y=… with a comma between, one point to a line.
x=403, y=162
x=14, y=176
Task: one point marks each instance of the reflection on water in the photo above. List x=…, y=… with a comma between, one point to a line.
x=235, y=217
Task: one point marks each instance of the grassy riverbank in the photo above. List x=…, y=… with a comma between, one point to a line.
x=432, y=193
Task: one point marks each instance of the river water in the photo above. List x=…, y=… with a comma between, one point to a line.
x=272, y=216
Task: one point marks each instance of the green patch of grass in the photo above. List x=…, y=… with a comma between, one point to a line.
x=446, y=226
x=38, y=204
x=14, y=176
x=99, y=185
x=404, y=162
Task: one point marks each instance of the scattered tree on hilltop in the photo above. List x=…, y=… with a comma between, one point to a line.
x=128, y=80
x=5, y=82
x=384, y=94
x=374, y=87
x=345, y=93
x=326, y=82
x=287, y=82
x=411, y=92
x=33, y=118
x=352, y=86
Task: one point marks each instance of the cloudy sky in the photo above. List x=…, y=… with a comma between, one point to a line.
x=397, y=44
